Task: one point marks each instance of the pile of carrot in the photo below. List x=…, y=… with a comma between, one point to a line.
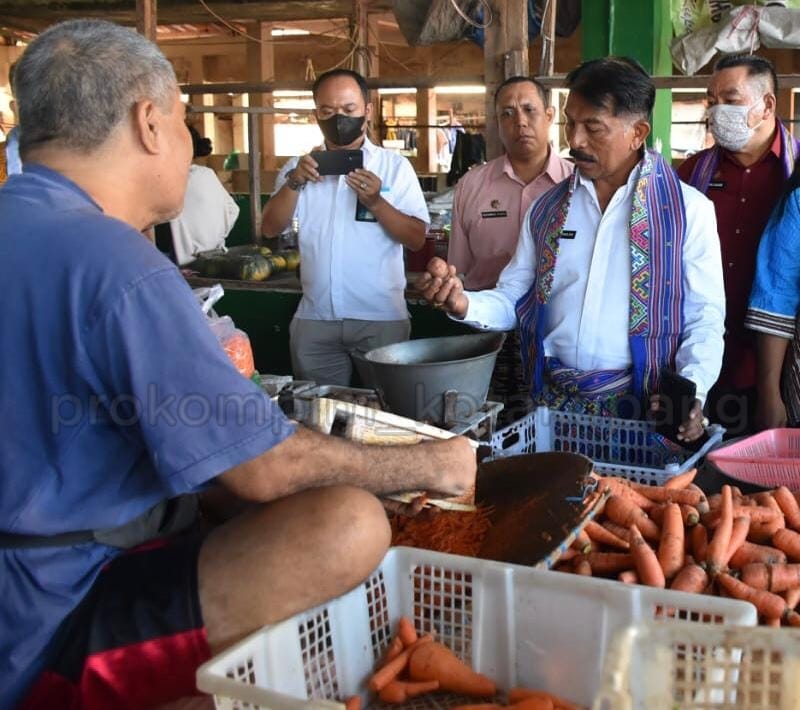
x=673, y=536
x=456, y=532
x=414, y=665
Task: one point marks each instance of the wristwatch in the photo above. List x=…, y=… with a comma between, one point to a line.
x=293, y=184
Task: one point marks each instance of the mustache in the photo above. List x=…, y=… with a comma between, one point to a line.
x=580, y=155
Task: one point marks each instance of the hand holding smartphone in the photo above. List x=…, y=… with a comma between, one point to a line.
x=337, y=162
x=677, y=396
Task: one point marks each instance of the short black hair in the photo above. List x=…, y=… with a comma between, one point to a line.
x=333, y=73
x=520, y=80
x=755, y=65
x=201, y=147
x=619, y=84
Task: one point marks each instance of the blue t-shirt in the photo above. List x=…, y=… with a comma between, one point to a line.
x=114, y=395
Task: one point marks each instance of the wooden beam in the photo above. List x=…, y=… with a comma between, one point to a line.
x=261, y=67
x=426, y=132
x=505, y=52
x=147, y=18
x=361, y=34
x=548, y=32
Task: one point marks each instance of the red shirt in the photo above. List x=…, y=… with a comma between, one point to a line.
x=743, y=200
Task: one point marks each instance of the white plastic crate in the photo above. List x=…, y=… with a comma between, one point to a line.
x=518, y=625
x=618, y=447
x=675, y=666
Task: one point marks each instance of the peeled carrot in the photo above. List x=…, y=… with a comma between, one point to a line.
x=681, y=480
x=788, y=505
x=719, y=543
x=789, y=542
x=671, y=552
x=629, y=576
x=597, y=533
x=582, y=543
x=645, y=560
x=609, y=562
x=385, y=675
x=750, y=552
x=692, y=578
x=406, y=631
x=773, y=578
x=398, y=691
x=741, y=526
x=433, y=661
x=623, y=512
x=353, y=703
x=619, y=530
x=583, y=568
x=699, y=542
x=768, y=604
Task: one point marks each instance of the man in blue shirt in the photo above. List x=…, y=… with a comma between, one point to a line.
x=116, y=398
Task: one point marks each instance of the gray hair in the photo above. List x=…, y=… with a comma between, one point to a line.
x=78, y=80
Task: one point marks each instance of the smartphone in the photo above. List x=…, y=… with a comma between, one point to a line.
x=337, y=162
x=677, y=399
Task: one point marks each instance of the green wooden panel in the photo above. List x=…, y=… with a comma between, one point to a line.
x=241, y=232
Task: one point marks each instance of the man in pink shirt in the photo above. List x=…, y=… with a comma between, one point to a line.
x=490, y=204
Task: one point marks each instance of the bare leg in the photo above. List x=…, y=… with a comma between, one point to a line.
x=288, y=556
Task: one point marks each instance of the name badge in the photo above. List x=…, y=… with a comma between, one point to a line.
x=494, y=214
x=716, y=185
x=567, y=234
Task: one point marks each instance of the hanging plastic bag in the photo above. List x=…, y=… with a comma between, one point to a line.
x=234, y=341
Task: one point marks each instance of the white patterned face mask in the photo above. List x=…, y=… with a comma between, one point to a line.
x=728, y=125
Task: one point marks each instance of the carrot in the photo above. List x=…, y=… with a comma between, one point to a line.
x=517, y=695
x=583, y=567
x=768, y=604
x=582, y=543
x=757, y=514
x=719, y=543
x=609, y=562
x=773, y=623
x=646, y=561
x=602, y=536
x=533, y=703
x=353, y=703
x=619, y=530
x=670, y=550
x=628, y=576
x=788, y=505
x=762, y=533
x=623, y=512
x=568, y=554
x=385, y=675
x=406, y=631
x=690, y=515
x=792, y=597
x=669, y=495
x=692, y=578
x=741, y=526
x=682, y=479
x=393, y=650
x=398, y=691
x=714, y=502
x=624, y=489
x=793, y=618
x=479, y=706
x=749, y=552
x=432, y=661
x=773, y=578
x=789, y=542
x=699, y=542
x=702, y=506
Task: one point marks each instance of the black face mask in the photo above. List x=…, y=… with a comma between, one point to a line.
x=340, y=129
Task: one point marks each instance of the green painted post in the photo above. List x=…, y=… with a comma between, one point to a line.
x=641, y=30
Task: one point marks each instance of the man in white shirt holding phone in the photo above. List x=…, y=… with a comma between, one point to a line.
x=353, y=229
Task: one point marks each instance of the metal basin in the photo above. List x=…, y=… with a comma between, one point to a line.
x=414, y=377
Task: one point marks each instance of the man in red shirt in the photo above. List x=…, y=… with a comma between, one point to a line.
x=743, y=175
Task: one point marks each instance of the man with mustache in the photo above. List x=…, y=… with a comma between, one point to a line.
x=352, y=232
x=743, y=174
x=490, y=203
x=617, y=273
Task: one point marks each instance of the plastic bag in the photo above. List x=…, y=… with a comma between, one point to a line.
x=234, y=341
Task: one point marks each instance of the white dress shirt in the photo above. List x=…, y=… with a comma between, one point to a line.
x=588, y=312
x=354, y=269
x=207, y=218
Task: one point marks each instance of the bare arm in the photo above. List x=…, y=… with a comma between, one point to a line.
x=308, y=460
x=771, y=353
x=279, y=210
x=408, y=231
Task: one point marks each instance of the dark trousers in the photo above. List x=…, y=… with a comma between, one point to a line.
x=733, y=408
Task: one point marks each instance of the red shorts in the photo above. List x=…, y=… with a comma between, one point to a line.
x=135, y=640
